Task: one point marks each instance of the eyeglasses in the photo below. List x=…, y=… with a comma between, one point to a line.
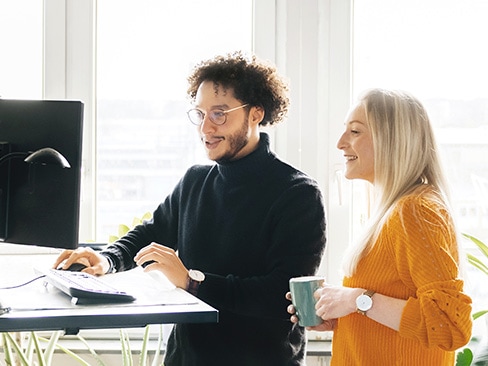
x=217, y=116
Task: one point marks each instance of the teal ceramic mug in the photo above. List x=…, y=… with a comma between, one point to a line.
x=302, y=289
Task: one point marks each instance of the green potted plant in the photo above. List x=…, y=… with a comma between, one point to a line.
x=479, y=355
x=33, y=349
x=124, y=229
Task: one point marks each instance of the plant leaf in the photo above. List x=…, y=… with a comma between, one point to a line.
x=157, y=352
x=29, y=350
x=464, y=357
x=483, y=247
x=143, y=356
x=91, y=350
x=74, y=355
x=123, y=229
x=40, y=355
x=126, y=354
x=112, y=238
x=51, y=346
x=17, y=349
x=477, y=263
x=479, y=314
x=6, y=349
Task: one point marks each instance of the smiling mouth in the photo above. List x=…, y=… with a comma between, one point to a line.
x=212, y=143
x=351, y=157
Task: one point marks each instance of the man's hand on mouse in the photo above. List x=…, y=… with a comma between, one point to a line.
x=96, y=264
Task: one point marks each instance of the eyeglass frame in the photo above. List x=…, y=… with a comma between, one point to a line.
x=210, y=118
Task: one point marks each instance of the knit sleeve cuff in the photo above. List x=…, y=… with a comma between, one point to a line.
x=410, y=318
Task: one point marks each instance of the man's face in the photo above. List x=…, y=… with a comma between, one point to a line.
x=235, y=138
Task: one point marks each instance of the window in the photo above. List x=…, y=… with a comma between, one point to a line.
x=21, y=60
x=86, y=52
x=145, y=51
x=434, y=50
x=415, y=47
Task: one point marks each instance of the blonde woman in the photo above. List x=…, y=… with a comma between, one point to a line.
x=402, y=301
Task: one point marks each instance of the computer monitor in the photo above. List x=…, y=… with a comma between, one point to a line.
x=40, y=204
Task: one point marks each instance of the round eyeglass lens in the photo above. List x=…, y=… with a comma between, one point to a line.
x=217, y=116
x=195, y=116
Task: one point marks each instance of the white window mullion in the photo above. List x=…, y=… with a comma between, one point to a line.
x=54, y=53
x=81, y=85
x=313, y=49
x=338, y=91
x=69, y=73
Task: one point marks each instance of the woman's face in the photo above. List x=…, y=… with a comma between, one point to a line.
x=357, y=144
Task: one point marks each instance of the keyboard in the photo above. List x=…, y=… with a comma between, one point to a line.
x=85, y=287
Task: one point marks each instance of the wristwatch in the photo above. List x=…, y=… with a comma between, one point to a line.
x=195, y=278
x=364, y=302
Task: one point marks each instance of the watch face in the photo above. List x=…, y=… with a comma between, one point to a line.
x=196, y=275
x=364, y=302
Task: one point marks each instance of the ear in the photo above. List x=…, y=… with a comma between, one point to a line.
x=256, y=115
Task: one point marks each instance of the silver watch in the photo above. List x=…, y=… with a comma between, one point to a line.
x=364, y=302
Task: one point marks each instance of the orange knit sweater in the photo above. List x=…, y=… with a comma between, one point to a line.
x=415, y=258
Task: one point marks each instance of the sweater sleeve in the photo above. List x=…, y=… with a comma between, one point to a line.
x=439, y=315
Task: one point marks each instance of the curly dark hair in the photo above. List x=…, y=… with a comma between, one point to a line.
x=254, y=82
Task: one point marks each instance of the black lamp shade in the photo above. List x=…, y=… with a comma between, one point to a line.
x=47, y=156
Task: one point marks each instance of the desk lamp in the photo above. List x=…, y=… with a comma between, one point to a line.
x=45, y=156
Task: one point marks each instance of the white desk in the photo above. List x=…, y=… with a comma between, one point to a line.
x=38, y=307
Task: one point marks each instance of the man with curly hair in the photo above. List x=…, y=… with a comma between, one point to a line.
x=232, y=233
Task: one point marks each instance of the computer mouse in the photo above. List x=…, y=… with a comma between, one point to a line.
x=145, y=264
x=75, y=267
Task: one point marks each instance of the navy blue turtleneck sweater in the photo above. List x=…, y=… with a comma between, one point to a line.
x=249, y=225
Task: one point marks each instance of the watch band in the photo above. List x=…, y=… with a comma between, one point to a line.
x=369, y=293
x=111, y=268
x=192, y=286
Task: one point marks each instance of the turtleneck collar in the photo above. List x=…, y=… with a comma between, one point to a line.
x=251, y=164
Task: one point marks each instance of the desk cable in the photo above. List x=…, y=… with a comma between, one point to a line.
x=6, y=309
x=22, y=284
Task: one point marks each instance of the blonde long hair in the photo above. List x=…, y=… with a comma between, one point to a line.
x=405, y=158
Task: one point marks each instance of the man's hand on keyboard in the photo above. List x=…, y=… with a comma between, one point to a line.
x=96, y=264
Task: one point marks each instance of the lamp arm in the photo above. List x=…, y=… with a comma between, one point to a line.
x=12, y=156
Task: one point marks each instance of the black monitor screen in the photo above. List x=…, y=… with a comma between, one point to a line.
x=40, y=203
